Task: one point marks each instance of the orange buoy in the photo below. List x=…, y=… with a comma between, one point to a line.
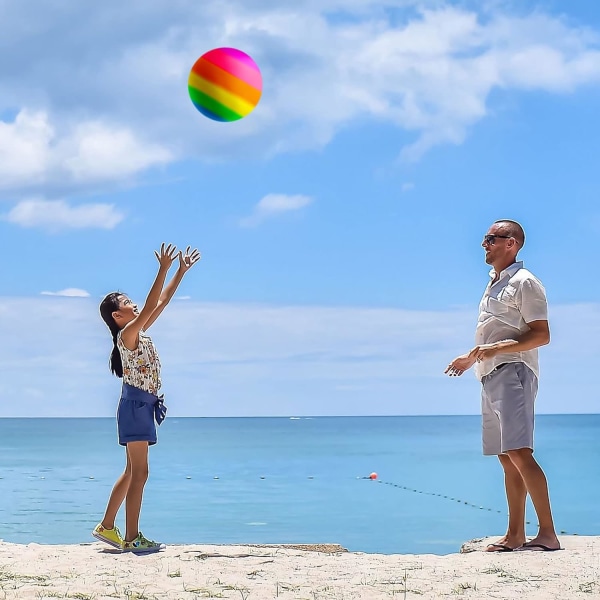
x=373, y=476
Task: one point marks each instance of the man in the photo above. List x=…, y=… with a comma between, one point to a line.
x=512, y=324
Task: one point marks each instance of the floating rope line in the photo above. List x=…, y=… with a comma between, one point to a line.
x=373, y=477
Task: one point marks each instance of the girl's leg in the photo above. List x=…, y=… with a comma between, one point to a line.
x=117, y=496
x=137, y=455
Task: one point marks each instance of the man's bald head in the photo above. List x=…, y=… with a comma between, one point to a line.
x=513, y=229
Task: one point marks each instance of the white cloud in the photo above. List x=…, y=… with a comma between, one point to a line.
x=33, y=153
x=103, y=153
x=108, y=102
x=69, y=293
x=407, y=187
x=228, y=360
x=56, y=215
x=24, y=149
x=272, y=205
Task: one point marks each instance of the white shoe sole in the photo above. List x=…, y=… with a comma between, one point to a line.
x=107, y=541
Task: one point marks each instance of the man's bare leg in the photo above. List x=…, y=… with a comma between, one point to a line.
x=537, y=487
x=516, y=493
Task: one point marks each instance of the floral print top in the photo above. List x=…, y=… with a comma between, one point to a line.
x=141, y=367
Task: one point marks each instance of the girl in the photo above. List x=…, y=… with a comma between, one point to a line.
x=135, y=360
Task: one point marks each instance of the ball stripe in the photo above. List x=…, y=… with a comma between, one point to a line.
x=231, y=101
x=210, y=114
x=206, y=70
x=206, y=104
x=244, y=70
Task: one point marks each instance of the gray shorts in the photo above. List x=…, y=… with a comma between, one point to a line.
x=507, y=399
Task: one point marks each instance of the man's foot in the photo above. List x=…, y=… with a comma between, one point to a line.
x=141, y=544
x=536, y=548
x=506, y=544
x=498, y=548
x=110, y=536
x=541, y=544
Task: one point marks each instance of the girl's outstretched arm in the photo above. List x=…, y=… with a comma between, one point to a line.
x=186, y=261
x=131, y=331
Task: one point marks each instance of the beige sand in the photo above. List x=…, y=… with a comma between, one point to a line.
x=93, y=570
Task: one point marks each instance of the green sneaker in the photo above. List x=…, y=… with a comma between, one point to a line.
x=141, y=544
x=110, y=536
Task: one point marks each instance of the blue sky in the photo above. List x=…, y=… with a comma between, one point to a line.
x=340, y=223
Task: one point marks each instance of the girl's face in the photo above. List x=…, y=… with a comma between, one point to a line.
x=127, y=311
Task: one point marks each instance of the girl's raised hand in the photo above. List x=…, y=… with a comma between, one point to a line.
x=189, y=258
x=167, y=255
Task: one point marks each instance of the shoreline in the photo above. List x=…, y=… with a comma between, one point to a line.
x=94, y=571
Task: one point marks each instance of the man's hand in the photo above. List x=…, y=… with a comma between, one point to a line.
x=485, y=351
x=459, y=365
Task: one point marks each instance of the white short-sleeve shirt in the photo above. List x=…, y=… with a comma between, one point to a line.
x=517, y=298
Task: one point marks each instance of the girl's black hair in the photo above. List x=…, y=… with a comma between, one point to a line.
x=109, y=305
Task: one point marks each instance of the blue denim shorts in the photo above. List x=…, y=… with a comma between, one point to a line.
x=136, y=415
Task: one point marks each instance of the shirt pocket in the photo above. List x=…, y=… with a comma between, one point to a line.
x=508, y=296
x=506, y=311
x=496, y=307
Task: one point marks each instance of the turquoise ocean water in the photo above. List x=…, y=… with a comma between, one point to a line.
x=288, y=480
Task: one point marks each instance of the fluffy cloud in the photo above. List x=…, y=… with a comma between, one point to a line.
x=101, y=93
x=57, y=215
x=102, y=153
x=275, y=204
x=33, y=152
x=24, y=149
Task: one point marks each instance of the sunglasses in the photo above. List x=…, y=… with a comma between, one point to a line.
x=490, y=238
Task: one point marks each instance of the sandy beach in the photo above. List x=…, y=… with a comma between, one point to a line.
x=326, y=571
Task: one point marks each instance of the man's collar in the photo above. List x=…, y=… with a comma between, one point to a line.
x=510, y=270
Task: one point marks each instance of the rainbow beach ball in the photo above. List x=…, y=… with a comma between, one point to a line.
x=225, y=84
